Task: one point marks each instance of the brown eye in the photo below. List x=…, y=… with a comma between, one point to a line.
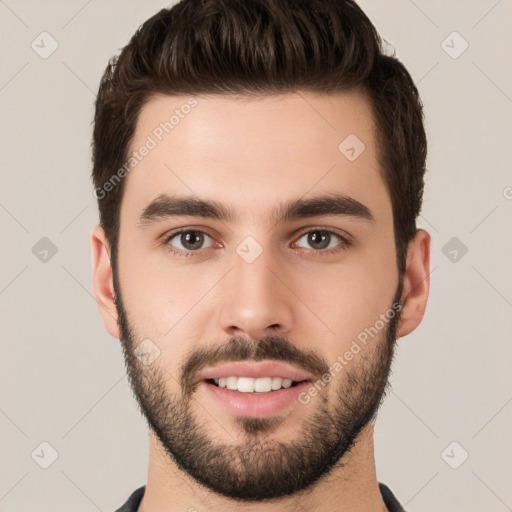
x=188, y=240
x=321, y=239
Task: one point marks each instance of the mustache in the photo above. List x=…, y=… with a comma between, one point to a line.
x=274, y=348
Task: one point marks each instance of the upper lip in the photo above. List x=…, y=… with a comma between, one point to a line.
x=256, y=370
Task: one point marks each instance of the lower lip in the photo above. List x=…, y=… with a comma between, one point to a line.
x=255, y=405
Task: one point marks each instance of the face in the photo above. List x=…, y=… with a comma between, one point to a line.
x=248, y=237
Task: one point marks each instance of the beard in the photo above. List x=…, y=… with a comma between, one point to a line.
x=260, y=467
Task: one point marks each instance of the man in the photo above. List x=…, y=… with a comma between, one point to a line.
x=259, y=171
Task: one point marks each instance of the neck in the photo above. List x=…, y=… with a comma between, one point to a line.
x=352, y=487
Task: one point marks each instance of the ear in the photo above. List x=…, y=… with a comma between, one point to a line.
x=416, y=283
x=102, y=280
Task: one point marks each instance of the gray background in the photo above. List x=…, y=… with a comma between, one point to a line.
x=62, y=377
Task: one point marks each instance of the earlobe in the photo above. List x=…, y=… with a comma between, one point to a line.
x=102, y=280
x=416, y=283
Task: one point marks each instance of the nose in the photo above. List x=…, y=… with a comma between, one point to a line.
x=255, y=299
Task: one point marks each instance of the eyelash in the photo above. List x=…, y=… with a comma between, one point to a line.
x=342, y=246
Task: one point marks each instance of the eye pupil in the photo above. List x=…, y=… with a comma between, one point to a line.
x=192, y=240
x=319, y=238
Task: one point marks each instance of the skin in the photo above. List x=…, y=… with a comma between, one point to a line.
x=252, y=155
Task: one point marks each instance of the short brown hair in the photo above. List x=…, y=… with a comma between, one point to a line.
x=262, y=47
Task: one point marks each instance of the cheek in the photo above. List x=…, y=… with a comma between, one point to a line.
x=159, y=301
x=349, y=297
x=156, y=295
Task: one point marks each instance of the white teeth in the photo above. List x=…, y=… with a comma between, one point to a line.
x=263, y=385
x=286, y=383
x=232, y=383
x=245, y=384
x=250, y=385
x=276, y=383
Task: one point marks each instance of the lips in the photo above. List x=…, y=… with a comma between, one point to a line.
x=256, y=370
x=254, y=405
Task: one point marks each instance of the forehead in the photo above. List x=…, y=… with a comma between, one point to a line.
x=254, y=152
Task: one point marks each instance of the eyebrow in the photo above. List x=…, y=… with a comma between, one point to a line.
x=164, y=207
